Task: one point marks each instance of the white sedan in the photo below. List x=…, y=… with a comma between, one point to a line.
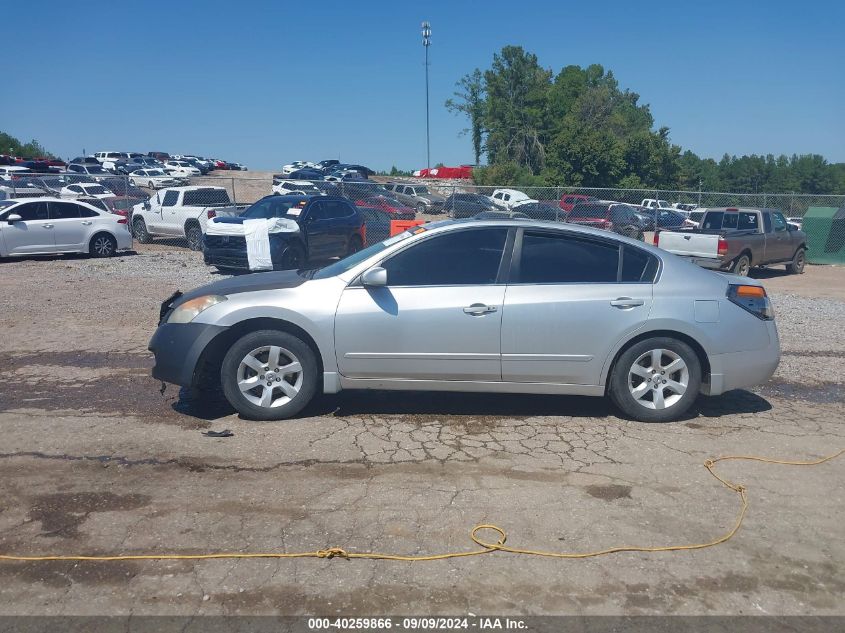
x=85, y=190
x=152, y=178
x=288, y=187
x=181, y=169
x=52, y=225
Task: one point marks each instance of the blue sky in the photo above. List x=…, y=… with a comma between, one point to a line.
x=265, y=83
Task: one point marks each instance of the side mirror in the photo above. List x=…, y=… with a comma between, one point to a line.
x=375, y=277
x=14, y=217
x=146, y=205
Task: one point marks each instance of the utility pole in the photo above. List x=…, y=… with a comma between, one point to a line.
x=426, y=37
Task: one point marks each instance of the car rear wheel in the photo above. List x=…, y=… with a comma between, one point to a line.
x=656, y=380
x=139, y=230
x=796, y=266
x=741, y=266
x=102, y=245
x=194, y=236
x=269, y=375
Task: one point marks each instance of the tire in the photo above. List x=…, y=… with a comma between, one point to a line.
x=421, y=208
x=355, y=245
x=799, y=260
x=132, y=182
x=193, y=234
x=631, y=387
x=741, y=266
x=102, y=245
x=139, y=230
x=292, y=258
x=251, y=358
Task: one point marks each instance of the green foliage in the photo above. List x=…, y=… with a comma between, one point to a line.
x=580, y=128
x=12, y=146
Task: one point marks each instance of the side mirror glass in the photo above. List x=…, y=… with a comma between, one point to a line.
x=375, y=277
x=14, y=217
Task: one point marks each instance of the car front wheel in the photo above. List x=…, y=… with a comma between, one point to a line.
x=796, y=266
x=656, y=380
x=269, y=375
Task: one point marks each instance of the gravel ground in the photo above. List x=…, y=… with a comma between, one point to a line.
x=96, y=458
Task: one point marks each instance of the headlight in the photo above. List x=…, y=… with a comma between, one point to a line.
x=189, y=310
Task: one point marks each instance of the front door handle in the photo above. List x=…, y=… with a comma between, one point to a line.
x=626, y=302
x=478, y=309
x=87, y=222
x=48, y=226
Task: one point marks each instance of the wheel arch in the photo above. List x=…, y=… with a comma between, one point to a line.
x=696, y=346
x=207, y=369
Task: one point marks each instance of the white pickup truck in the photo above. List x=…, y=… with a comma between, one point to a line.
x=650, y=203
x=181, y=212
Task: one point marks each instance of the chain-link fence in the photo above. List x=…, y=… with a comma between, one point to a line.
x=161, y=209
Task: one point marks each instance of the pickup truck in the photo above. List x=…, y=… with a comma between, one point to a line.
x=737, y=239
x=650, y=203
x=181, y=212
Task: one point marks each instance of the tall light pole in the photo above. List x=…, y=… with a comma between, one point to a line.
x=426, y=37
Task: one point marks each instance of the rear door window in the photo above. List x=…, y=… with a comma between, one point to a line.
x=637, y=265
x=63, y=210
x=748, y=220
x=551, y=259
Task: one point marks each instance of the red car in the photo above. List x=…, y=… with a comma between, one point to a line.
x=569, y=200
x=396, y=209
x=52, y=162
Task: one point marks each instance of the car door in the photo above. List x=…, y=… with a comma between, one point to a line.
x=569, y=300
x=779, y=242
x=69, y=227
x=33, y=233
x=439, y=316
x=315, y=219
x=171, y=222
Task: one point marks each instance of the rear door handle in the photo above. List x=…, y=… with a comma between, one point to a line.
x=626, y=302
x=87, y=222
x=477, y=309
x=48, y=226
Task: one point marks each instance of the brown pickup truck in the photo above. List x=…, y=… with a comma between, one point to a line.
x=737, y=239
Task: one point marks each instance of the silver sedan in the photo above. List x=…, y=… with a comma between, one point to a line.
x=489, y=306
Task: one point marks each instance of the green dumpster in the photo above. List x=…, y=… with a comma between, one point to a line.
x=825, y=229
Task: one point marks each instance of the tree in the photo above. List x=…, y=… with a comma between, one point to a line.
x=33, y=149
x=469, y=100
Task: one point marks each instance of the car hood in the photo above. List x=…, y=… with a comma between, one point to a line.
x=252, y=282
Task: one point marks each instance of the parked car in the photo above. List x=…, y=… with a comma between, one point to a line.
x=84, y=160
x=796, y=222
x=122, y=205
x=180, y=169
x=609, y=216
x=736, y=239
x=21, y=188
x=486, y=306
x=376, y=223
x=541, y=210
x=327, y=164
x=85, y=190
x=88, y=169
x=510, y=198
x=302, y=187
x=392, y=206
x=13, y=171
x=569, y=200
x=152, y=178
x=417, y=196
x=467, y=205
x=53, y=225
x=313, y=228
x=650, y=203
x=122, y=187
x=159, y=156
x=305, y=174
x=666, y=219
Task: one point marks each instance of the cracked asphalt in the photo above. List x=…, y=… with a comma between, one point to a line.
x=96, y=459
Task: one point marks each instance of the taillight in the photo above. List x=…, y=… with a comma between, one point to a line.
x=122, y=220
x=656, y=239
x=753, y=299
x=211, y=213
x=722, y=248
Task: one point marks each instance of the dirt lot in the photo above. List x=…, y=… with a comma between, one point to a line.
x=95, y=458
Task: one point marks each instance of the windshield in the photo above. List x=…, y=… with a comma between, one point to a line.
x=274, y=207
x=96, y=170
x=155, y=172
x=95, y=189
x=340, y=267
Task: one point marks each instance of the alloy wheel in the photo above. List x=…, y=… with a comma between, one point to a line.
x=103, y=246
x=658, y=379
x=270, y=376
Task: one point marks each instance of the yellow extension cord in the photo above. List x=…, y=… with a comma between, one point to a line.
x=486, y=547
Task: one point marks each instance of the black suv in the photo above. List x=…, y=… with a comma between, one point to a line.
x=329, y=226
